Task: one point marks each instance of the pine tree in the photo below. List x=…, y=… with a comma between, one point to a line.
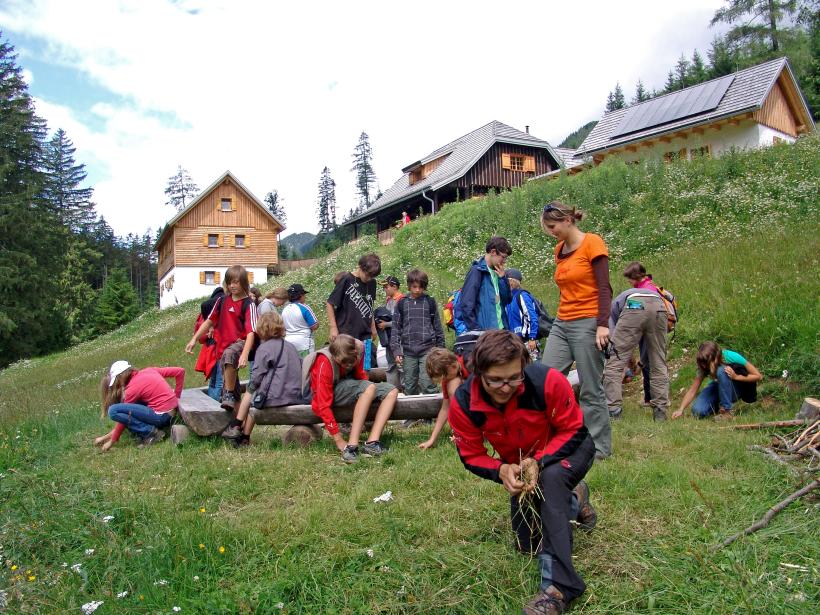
x=640, y=93
x=697, y=70
x=681, y=72
x=32, y=241
x=760, y=20
x=363, y=166
x=722, y=58
x=117, y=304
x=181, y=189
x=75, y=291
x=276, y=205
x=671, y=84
x=327, y=202
x=615, y=100
x=61, y=191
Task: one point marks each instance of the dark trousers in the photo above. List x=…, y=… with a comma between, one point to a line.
x=543, y=525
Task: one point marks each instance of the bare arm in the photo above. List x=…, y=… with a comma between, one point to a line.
x=204, y=328
x=688, y=397
x=331, y=321
x=754, y=374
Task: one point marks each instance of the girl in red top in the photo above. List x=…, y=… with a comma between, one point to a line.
x=449, y=367
x=580, y=333
x=140, y=400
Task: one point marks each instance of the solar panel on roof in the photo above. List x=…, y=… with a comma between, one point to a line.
x=691, y=101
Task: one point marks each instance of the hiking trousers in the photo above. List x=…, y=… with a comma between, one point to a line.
x=416, y=380
x=646, y=319
x=574, y=340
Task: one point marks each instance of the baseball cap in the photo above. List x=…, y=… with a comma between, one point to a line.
x=515, y=274
x=296, y=290
x=117, y=367
x=392, y=280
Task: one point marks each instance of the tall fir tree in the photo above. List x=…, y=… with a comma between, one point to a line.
x=697, y=70
x=181, y=189
x=671, y=84
x=76, y=292
x=615, y=100
x=326, y=202
x=363, y=166
x=33, y=240
x=640, y=93
x=722, y=58
x=118, y=303
x=61, y=185
x=276, y=205
x=758, y=21
x=681, y=72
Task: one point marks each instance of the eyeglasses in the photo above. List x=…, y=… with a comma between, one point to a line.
x=497, y=383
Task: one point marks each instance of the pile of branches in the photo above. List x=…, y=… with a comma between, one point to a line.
x=799, y=450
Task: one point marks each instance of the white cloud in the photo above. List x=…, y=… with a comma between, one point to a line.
x=275, y=92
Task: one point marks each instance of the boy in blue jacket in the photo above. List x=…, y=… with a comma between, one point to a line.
x=486, y=293
x=522, y=313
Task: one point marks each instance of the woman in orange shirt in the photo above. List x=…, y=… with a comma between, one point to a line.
x=580, y=333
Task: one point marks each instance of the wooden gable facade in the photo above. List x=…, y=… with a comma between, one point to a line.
x=225, y=225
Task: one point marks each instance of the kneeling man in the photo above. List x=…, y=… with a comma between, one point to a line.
x=529, y=415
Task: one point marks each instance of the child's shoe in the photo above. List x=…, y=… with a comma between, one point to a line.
x=350, y=454
x=156, y=435
x=228, y=401
x=374, y=448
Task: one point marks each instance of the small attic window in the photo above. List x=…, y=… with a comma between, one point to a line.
x=225, y=204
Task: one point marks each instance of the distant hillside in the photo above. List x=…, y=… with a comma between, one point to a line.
x=574, y=140
x=299, y=242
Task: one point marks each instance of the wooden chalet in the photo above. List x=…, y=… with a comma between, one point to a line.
x=493, y=157
x=225, y=225
x=754, y=107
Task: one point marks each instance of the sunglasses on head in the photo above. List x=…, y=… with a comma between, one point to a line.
x=550, y=207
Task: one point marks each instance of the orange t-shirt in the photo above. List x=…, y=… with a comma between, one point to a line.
x=576, y=279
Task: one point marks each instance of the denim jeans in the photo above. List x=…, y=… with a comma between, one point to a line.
x=720, y=393
x=215, y=384
x=139, y=419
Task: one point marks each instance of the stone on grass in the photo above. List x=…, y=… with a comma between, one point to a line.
x=302, y=435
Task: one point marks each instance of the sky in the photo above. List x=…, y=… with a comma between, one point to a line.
x=276, y=91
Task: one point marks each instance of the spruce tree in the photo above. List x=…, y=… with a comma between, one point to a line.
x=697, y=70
x=75, y=291
x=181, y=189
x=276, y=205
x=615, y=100
x=640, y=93
x=671, y=84
x=326, y=202
x=722, y=58
x=61, y=186
x=118, y=303
x=681, y=72
x=32, y=241
x=363, y=166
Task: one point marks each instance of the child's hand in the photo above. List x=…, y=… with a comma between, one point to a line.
x=730, y=372
x=399, y=359
x=107, y=446
x=243, y=361
x=427, y=444
x=189, y=348
x=340, y=442
x=677, y=414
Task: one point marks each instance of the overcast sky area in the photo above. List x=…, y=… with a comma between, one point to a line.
x=274, y=91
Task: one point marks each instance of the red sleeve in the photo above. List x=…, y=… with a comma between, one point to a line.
x=470, y=444
x=565, y=418
x=117, y=431
x=359, y=373
x=250, y=318
x=321, y=383
x=178, y=374
x=133, y=391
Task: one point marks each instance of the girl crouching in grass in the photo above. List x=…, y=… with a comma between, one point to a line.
x=139, y=400
x=449, y=368
x=733, y=378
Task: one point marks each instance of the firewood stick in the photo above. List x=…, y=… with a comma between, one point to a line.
x=774, y=456
x=791, y=423
x=806, y=431
x=771, y=513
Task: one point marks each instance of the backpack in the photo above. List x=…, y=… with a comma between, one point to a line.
x=307, y=364
x=544, y=319
x=671, y=305
x=449, y=310
x=465, y=344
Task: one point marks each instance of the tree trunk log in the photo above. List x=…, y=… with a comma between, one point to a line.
x=790, y=423
x=412, y=407
x=810, y=410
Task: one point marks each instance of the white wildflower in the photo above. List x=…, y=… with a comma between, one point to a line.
x=196, y=577
x=77, y=568
x=64, y=564
x=279, y=605
x=384, y=497
x=90, y=607
x=384, y=569
x=176, y=609
x=161, y=582
x=89, y=551
x=122, y=594
x=108, y=518
x=785, y=373
x=370, y=553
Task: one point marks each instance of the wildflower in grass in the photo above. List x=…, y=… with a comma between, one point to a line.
x=370, y=553
x=221, y=549
x=89, y=551
x=279, y=605
x=176, y=609
x=202, y=509
x=142, y=597
x=196, y=577
x=13, y=567
x=122, y=594
x=201, y=546
x=31, y=577
x=161, y=583
x=108, y=518
x=90, y=607
x=76, y=568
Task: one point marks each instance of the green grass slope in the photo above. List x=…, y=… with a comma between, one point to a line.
x=272, y=529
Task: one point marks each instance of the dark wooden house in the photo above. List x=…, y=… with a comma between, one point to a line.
x=493, y=157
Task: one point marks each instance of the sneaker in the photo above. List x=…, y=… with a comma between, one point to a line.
x=350, y=454
x=616, y=413
x=228, y=401
x=724, y=415
x=658, y=415
x=242, y=441
x=587, y=517
x=548, y=601
x=374, y=448
x=232, y=432
x=156, y=435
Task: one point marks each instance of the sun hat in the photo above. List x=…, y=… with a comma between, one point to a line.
x=117, y=367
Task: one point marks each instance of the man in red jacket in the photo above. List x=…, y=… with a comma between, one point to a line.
x=529, y=415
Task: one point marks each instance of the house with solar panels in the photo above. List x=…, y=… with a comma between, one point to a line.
x=754, y=107
x=493, y=157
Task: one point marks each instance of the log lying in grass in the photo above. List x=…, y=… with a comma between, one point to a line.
x=202, y=414
x=766, y=425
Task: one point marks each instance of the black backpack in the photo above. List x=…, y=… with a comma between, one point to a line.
x=544, y=319
x=465, y=344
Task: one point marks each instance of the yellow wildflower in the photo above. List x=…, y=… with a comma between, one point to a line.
x=201, y=546
x=222, y=549
x=202, y=509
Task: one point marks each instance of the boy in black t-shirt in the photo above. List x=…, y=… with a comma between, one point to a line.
x=350, y=305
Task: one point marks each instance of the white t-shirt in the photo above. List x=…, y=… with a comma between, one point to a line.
x=298, y=319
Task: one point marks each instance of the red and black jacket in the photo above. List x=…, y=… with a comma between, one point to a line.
x=542, y=421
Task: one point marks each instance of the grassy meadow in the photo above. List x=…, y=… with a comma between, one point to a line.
x=209, y=529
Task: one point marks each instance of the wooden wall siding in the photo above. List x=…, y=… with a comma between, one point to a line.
x=776, y=113
x=488, y=172
x=166, y=250
x=245, y=215
x=189, y=251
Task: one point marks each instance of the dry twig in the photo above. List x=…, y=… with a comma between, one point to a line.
x=773, y=455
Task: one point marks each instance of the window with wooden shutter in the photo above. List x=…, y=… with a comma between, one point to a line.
x=239, y=241
x=250, y=277
x=505, y=161
x=217, y=277
x=247, y=241
x=201, y=277
x=220, y=240
x=231, y=243
x=213, y=240
x=233, y=204
x=529, y=164
x=205, y=240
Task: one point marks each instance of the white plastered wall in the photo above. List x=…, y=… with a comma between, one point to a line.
x=184, y=283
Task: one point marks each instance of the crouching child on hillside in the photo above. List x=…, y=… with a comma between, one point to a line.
x=337, y=378
x=276, y=378
x=448, y=367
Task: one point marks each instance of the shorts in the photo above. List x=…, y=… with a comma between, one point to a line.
x=348, y=390
x=232, y=353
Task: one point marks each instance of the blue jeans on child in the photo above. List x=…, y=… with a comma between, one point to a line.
x=139, y=419
x=215, y=384
x=720, y=393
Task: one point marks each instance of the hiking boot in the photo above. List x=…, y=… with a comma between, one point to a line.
x=587, y=517
x=350, y=454
x=156, y=435
x=616, y=413
x=658, y=415
x=232, y=432
x=724, y=415
x=228, y=401
x=374, y=448
x=548, y=601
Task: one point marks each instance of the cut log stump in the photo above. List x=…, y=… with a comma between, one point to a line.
x=810, y=410
x=302, y=435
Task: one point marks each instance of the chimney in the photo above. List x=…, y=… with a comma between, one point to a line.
x=527, y=129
